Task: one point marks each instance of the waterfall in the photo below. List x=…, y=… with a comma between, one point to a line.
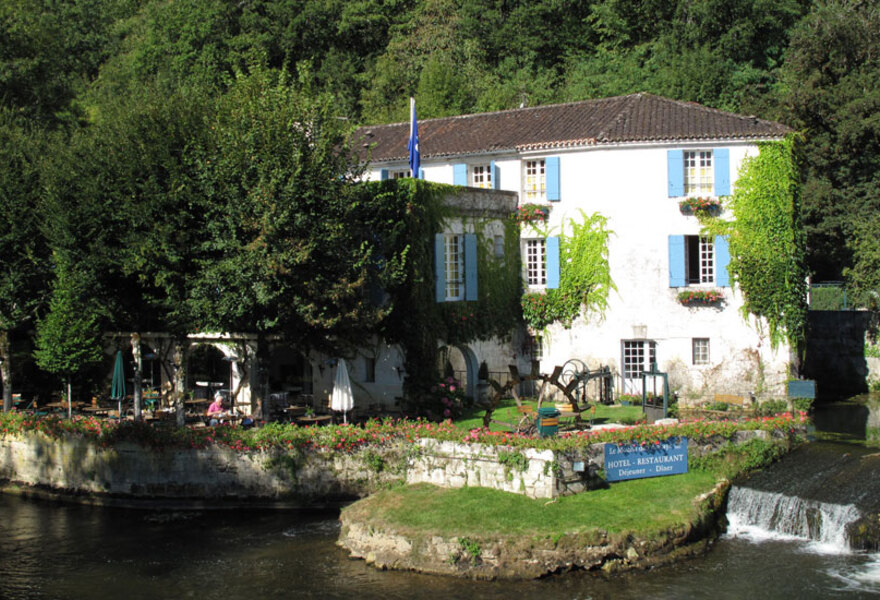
x=772, y=514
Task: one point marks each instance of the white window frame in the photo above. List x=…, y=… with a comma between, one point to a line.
x=636, y=357
x=399, y=174
x=699, y=173
x=454, y=265
x=700, y=351
x=481, y=176
x=534, y=182
x=700, y=269
x=535, y=262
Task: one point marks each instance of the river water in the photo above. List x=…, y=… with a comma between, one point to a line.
x=70, y=552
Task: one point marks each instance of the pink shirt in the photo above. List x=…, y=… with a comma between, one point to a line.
x=215, y=407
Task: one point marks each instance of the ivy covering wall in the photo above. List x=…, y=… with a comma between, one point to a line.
x=584, y=275
x=405, y=214
x=767, y=246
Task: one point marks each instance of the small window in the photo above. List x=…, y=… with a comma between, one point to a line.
x=399, y=174
x=535, y=347
x=454, y=267
x=499, y=246
x=481, y=176
x=369, y=369
x=534, y=181
x=701, y=351
x=699, y=260
x=535, y=262
x=698, y=173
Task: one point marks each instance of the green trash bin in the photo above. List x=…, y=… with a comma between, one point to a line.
x=548, y=422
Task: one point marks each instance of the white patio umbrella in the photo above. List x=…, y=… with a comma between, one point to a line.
x=342, y=399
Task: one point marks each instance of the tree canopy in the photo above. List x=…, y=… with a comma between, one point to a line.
x=167, y=155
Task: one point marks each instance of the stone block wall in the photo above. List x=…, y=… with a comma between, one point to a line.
x=537, y=474
x=300, y=478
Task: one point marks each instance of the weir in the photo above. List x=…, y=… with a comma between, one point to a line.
x=821, y=492
x=781, y=515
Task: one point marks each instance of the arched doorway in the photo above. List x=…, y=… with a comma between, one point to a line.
x=461, y=363
x=207, y=371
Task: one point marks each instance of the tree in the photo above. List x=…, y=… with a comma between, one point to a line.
x=283, y=255
x=69, y=337
x=832, y=92
x=24, y=269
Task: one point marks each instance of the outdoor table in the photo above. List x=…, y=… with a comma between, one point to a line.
x=96, y=410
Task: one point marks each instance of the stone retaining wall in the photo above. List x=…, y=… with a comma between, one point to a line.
x=533, y=473
x=300, y=478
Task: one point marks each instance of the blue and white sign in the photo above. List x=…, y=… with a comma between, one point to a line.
x=633, y=461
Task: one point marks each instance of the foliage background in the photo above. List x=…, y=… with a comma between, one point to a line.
x=113, y=109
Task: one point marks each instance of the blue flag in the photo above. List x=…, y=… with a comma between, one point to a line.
x=414, y=159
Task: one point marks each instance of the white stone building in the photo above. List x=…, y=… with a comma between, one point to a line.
x=631, y=159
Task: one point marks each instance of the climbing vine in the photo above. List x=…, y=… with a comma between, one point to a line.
x=767, y=240
x=584, y=276
x=404, y=216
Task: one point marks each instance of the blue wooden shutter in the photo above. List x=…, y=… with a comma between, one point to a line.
x=551, y=172
x=675, y=171
x=551, y=252
x=459, y=174
x=722, y=259
x=421, y=174
x=721, y=156
x=676, y=261
x=470, y=267
x=496, y=177
x=383, y=174
x=440, y=266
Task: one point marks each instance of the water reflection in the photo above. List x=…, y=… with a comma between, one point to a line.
x=73, y=552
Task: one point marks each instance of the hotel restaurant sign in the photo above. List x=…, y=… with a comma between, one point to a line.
x=634, y=461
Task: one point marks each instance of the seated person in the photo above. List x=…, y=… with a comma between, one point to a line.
x=215, y=410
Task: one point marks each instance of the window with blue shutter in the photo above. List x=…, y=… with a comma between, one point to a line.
x=496, y=177
x=722, y=171
x=383, y=174
x=470, y=267
x=421, y=174
x=675, y=172
x=552, y=178
x=722, y=259
x=440, y=267
x=552, y=253
x=677, y=274
x=459, y=174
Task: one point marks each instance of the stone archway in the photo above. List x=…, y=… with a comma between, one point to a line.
x=463, y=361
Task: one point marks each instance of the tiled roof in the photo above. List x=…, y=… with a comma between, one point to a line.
x=633, y=118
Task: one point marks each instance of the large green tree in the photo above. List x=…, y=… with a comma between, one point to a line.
x=832, y=93
x=24, y=267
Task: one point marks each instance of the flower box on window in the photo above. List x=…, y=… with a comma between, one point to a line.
x=700, y=297
x=698, y=205
x=532, y=213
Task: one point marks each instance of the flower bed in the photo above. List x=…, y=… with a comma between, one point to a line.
x=347, y=438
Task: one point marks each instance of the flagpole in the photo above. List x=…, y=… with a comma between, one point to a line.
x=414, y=156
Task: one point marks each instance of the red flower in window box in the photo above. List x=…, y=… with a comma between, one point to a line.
x=700, y=297
x=528, y=213
x=696, y=205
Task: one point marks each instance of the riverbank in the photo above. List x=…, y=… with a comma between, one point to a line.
x=488, y=534
x=291, y=467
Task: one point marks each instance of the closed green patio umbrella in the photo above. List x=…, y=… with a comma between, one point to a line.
x=117, y=388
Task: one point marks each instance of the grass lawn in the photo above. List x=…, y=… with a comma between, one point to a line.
x=643, y=505
x=507, y=412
